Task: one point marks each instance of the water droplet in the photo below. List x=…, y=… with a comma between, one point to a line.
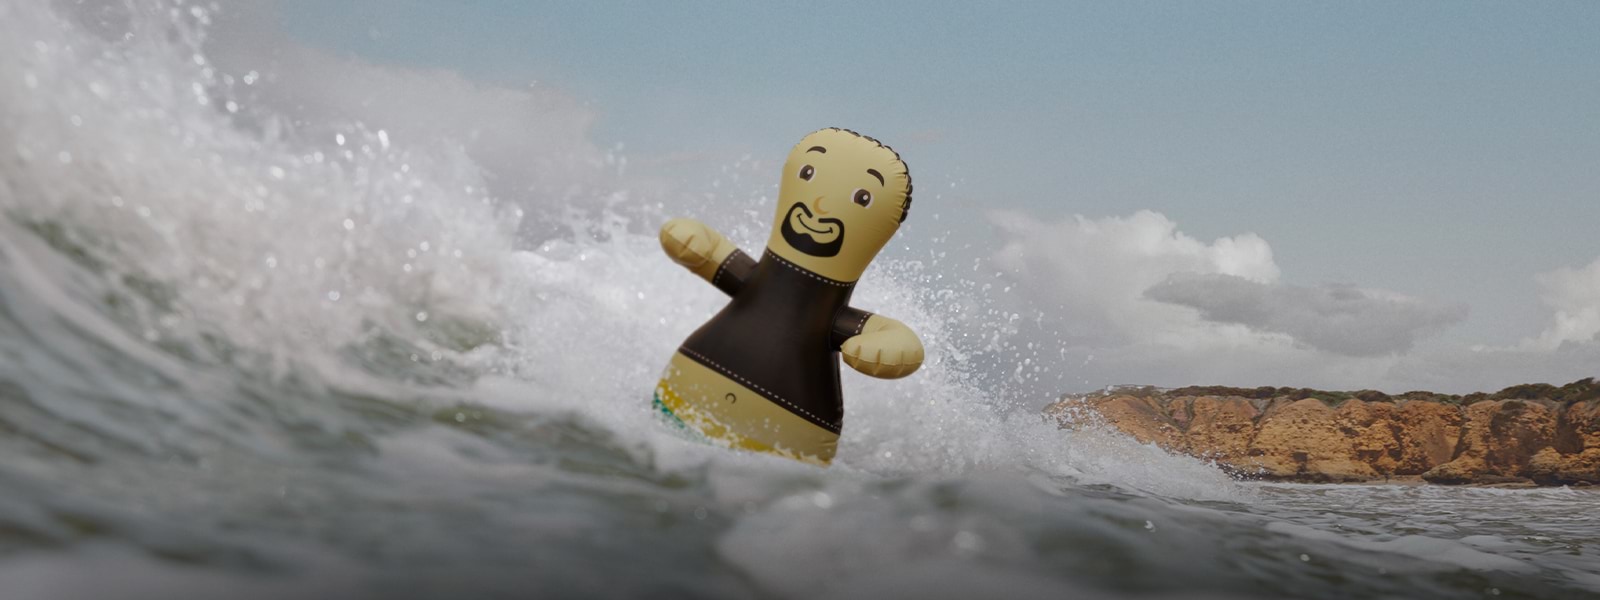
x=251, y=77
x=276, y=171
x=232, y=106
x=338, y=138
x=822, y=500
x=349, y=225
x=1305, y=558
x=383, y=138
x=1149, y=526
x=422, y=316
x=333, y=295
x=272, y=262
x=461, y=418
x=700, y=513
x=967, y=541
x=423, y=246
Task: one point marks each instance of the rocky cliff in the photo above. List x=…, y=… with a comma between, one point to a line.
x=1534, y=433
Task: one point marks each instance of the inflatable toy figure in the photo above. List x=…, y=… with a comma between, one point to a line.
x=763, y=374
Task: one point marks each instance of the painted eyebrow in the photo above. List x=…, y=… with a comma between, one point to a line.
x=818, y=149
x=875, y=173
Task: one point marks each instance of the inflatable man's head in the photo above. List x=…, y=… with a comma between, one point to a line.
x=842, y=197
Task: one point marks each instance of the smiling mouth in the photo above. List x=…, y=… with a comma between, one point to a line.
x=808, y=234
x=807, y=226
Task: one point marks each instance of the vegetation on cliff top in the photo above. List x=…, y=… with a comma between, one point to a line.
x=1578, y=391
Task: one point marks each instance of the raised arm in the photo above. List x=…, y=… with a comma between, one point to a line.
x=706, y=253
x=877, y=345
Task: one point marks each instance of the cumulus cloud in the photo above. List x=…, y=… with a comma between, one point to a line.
x=1090, y=275
x=1574, y=294
x=1339, y=318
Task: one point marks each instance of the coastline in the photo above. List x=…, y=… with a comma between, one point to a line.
x=1531, y=435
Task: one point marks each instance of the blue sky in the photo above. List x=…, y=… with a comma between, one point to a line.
x=1443, y=150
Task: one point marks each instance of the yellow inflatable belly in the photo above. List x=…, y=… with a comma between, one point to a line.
x=726, y=412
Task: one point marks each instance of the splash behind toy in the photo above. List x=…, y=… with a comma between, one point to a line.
x=763, y=374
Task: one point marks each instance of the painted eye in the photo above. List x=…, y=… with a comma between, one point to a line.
x=863, y=198
x=807, y=172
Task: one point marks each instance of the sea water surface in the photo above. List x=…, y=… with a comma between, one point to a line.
x=247, y=352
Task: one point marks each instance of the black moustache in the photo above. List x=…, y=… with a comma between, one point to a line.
x=803, y=241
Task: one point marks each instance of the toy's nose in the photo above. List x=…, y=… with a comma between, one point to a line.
x=817, y=205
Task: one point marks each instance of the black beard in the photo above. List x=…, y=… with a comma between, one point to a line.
x=803, y=242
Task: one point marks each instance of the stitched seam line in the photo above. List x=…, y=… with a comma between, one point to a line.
x=758, y=388
x=864, y=316
x=723, y=267
x=808, y=273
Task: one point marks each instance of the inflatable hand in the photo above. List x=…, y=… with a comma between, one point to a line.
x=696, y=247
x=888, y=349
x=763, y=374
x=691, y=243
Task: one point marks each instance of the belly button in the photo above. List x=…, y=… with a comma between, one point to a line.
x=730, y=397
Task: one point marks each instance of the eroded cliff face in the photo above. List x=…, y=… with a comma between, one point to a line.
x=1305, y=435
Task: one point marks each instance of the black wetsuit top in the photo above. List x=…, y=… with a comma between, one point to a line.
x=780, y=335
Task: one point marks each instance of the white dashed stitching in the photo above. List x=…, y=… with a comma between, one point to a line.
x=864, y=316
x=808, y=273
x=763, y=390
x=722, y=267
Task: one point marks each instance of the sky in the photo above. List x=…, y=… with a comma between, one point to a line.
x=1352, y=194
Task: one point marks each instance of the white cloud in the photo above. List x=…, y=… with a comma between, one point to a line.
x=1339, y=318
x=1574, y=294
x=1090, y=275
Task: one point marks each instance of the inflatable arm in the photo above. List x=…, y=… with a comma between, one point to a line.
x=878, y=346
x=706, y=253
